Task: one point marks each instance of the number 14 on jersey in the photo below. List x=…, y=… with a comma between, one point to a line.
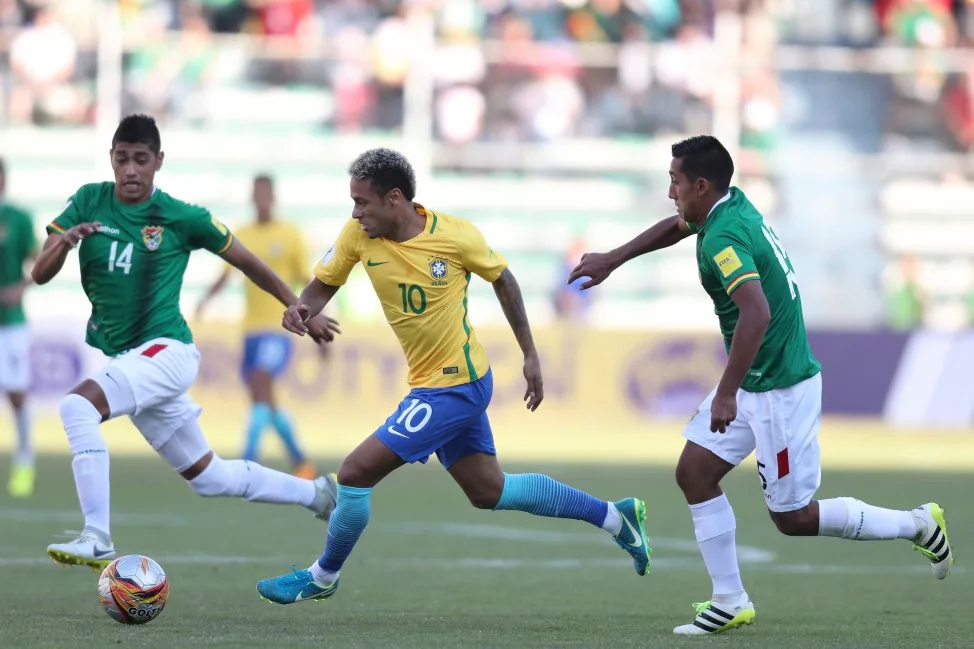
x=121, y=259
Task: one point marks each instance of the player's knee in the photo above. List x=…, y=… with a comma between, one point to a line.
x=484, y=498
x=81, y=420
x=219, y=479
x=800, y=522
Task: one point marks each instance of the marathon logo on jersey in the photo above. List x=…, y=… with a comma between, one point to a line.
x=107, y=229
x=152, y=237
x=438, y=271
x=727, y=261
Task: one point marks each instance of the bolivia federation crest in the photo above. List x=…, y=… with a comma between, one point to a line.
x=152, y=237
x=438, y=270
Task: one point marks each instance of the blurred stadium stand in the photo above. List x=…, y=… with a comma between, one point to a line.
x=547, y=122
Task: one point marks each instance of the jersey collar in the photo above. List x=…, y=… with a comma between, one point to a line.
x=703, y=226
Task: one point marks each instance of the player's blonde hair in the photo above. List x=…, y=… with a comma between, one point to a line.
x=387, y=170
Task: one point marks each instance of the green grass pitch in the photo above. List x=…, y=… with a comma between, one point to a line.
x=430, y=571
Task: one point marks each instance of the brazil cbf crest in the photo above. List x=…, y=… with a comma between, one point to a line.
x=152, y=236
x=438, y=270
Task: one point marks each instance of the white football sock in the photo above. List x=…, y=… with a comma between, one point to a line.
x=613, y=520
x=25, y=451
x=852, y=519
x=714, y=525
x=255, y=483
x=90, y=463
x=321, y=576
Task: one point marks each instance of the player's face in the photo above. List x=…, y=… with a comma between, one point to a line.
x=135, y=166
x=263, y=196
x=373, y=212
x=686, y=193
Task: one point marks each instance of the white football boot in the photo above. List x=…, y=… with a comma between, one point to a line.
x=716, y=617
x=932, y=539
x=90, y=549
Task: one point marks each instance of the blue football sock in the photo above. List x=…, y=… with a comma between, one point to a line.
x=543, y=496
x=347, y=522
x=285, y=430
x=260, y=418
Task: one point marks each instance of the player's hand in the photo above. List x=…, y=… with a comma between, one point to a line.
x=295, y=318
x=597, y=266
x=322, y=328
x=77, y=234
x=11, y=295
x=532, y=374
x=723, y=410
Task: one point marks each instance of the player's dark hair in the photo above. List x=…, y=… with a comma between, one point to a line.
x=387, y=170
x=138, y=129
x=264, y=178
x=703, y=156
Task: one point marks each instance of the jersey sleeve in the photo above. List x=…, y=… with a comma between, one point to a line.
x=71, y=214
x=478, y=257
x=338, y=262
x=203, y=230
x=732, y=259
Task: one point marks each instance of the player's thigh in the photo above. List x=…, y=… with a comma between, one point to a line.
x=163, y=421
x=471, y=459
x=428, y=419
x=158, y=371
x=786, y=424
x=14, y=358
x=731, y=446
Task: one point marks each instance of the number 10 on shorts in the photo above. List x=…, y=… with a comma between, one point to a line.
x=408, y=418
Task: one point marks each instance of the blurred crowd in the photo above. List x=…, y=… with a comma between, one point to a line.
x=503, y=68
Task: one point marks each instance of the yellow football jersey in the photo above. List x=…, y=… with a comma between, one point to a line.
x=280, y=245
x=422, y=284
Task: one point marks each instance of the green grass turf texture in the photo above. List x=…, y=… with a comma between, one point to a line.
x=431, y=571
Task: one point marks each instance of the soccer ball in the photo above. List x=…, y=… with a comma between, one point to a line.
x=133, y=589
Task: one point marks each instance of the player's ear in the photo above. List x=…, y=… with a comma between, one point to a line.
x=159, y=160
x=394, y=196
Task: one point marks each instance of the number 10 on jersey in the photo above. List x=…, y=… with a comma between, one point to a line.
x=121, y=259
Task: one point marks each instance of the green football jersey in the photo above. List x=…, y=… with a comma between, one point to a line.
x=132, y=270
x=735, y=246
x=17, y=244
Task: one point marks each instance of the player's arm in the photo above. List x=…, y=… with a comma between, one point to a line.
x=238, y=256
x=512, y=302
x=597, y=266
x=733, y=265
x=63, y=233
x=752, y=323
x=330, y=273
x=55, y=251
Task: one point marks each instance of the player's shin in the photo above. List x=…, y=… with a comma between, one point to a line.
x=253, y=482
x=849, y=518
x=715, y=527
x=90, y=461
x=544, y=496
x=347, y=523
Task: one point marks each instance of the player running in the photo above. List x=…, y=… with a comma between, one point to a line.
x=135, y=241
x=420, y=263
x=267, y=349
x=17, y=246
x=769, y=399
